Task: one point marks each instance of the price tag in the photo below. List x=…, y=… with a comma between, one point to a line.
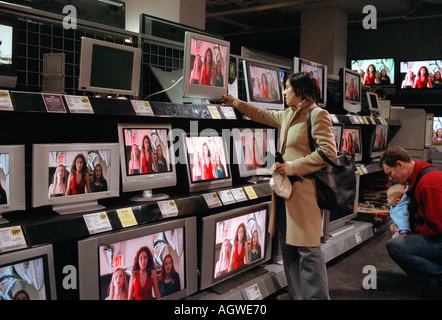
x=360, y=170
x=239, y=194
x=12, y=238
x=53, y=103
x=214, y=112
x=168, y=208
x=212, y=200
x=127, y=217
x=5, y=101
x=253, y=292
x=226, y=197
x=79, y=104
x=358, y=237
x=142, y=108
x=97, y=222
x=228, y=112
x=250, y=192
x=334, y=118
x=372, y=120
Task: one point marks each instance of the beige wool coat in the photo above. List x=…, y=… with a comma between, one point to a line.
x=304, y=218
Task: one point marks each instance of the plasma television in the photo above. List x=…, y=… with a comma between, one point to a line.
x=421, y=74
x=352, y=141
x=224, y=233
x=254, y=150
x=263, y=84
x=318, y=71
x=206, y=66
x=350, y=82
x=109, y=263
x=12, y=179
x=208, y=161
x=147, y=159
x=28, y=274
x=384, y=67
x=73, y=177
x=109, y=68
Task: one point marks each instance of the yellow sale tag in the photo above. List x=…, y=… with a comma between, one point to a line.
x=127, y=217
x=250, y=192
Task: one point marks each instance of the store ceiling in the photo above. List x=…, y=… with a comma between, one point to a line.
x=260, y=21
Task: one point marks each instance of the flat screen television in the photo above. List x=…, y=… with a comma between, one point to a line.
x=254, y=150
x=208, y=161
x=384, y=68
x=206, y=66
x=28, y=274
x=350, y=82
x=263, y=84
x=338, y=129
x=147, y=159
x=378, y=141
x=437, y=128
x=421, y=74
x=12, y=179
x=318, y=71
x=352, y=141
x=109, y=68
x=224, y=233
x=8, y=52
x=73, y=177
x=109, y=263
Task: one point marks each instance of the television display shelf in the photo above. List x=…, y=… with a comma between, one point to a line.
x=366, y=120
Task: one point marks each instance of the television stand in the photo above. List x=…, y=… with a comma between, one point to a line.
x=79, y=207
x=148, y=195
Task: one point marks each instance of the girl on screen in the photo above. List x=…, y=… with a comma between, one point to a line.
x=160, y=160
x=350, y=93
x=207, y=69
x=59, y=182
x=371, y=76
x=264, y=86
x=144, y=277
x=118, y=287
x=78, y=181
x=169, y=281
x=240, y=254
x=98, y=182
x=384, y=78
x=134, y=162
x=197, y=173
x=207, y=163
x=195, y=74
x=220, y=171
x=255, y=247
x=222, y=265
x=437, y=82
x=423, y=79
x=408, y=80
x=218, y=79
x=147, y=156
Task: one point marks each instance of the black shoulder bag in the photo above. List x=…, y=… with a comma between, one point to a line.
x=336, y=182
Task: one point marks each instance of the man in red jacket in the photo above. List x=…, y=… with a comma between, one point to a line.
x=418, y=254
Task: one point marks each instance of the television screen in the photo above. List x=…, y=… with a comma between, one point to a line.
x=437, y=128
x=206, y=66
x=6, y=32
x=28, y=274
x=8, y=52
x=351, y=90
x=424, y=74
x=147, y=159
x=384, y=70
x=254, y=150
x=318, y=71
x=208, y=163
x=337, y=132
x=107, y=67
x=351, y=142
x=263, y=84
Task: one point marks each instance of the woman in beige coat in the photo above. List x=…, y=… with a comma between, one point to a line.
x=298, y=219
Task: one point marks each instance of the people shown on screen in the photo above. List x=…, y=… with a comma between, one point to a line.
x=408, y=81
x=256, y=88
x=143, y=283
x=118, y=287
x=348, y=144
x=437, y=82
x=423, y=79
x=98, y=183
x=438, y=135
x=197, y=173
x=135, y=160
x=222, y=265
x=3, y=197
x=383, y=77
x=255, y=247
x=371, y=76
x=265, y=92
x=220, y=170
x=59, y=182
x=147, y=156
x=207, y=69
x=381, y=140
x=160, y=160
x=169, y=281
x=206, y=163
x=195, y=74
x=219, y=79
x=240, y=249
x=79, y=179
x=350, y=92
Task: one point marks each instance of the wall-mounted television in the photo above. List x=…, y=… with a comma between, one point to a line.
x=263, y=84
x=421, y=74
x=12, y=179
x=8, y=52
x=206, y=66
x=28, y=274
x=234, y=242
x=110, y=68
x=164, y=254
x=254, y=150
x=384, y=70
x=147, y=159
x=350, y=82
x=73, y=177
x=318, y=71
x=378, y=141
x=208, y=162
x=352, y=141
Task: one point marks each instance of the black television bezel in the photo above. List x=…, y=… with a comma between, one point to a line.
x=11, y=69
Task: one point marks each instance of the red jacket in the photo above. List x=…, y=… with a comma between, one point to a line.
x=429, y=198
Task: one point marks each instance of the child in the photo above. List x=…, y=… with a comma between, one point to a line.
x=398, y=202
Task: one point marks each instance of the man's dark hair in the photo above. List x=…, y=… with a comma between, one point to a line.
x=305, y=85
x=392, y=155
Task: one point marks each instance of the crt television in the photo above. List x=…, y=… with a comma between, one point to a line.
x=384, y=67
x=147, y=159
x=73, y=177
x=8, y=52
x=254, y=150
x=28, y=274
x=110, y=68
x=318, y=71
x=224, y=234
x=171, y=251
x=263, y=84
x=352, y=141
x=12, y=178
x=350, y=82
x=420, y=74
x=206, y=66
x=208, y=162
x=378, y=141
